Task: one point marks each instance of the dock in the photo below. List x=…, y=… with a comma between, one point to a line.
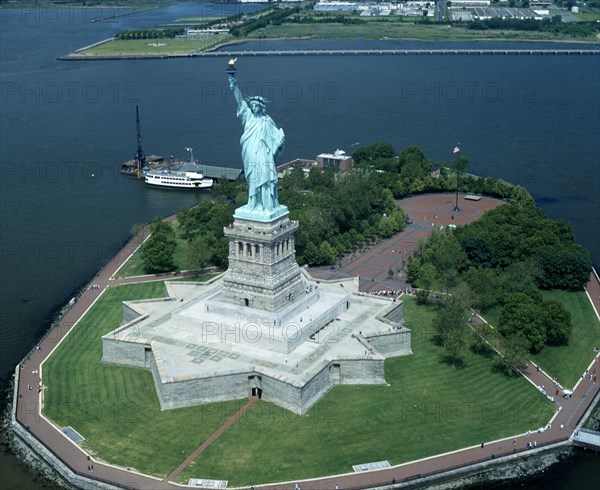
x=396, y=52
x=586, y=438
x=80, y=56
x=220, y=173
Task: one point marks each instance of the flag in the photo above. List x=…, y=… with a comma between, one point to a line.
x=456, y=150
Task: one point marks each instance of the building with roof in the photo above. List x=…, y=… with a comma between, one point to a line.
x=338, y=159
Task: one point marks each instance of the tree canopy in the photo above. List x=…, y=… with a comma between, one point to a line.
x=159, y=250
x=339, y=211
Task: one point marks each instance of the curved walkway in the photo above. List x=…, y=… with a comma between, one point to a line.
x=425, y=211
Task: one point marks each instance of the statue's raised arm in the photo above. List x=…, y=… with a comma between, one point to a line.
x=237, y=93
x=261, y=141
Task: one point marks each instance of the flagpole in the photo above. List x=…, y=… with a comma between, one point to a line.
x=454, y=152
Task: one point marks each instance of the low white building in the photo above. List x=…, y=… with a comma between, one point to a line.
x=469, y=3
x=336, y=5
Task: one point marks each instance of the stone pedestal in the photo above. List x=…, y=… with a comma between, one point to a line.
x=263, y=273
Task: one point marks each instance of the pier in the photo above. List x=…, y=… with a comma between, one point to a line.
x=589, y=439
x=398, y=52
x=79, y=55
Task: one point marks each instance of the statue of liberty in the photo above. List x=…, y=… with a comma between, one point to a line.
x=261, y=142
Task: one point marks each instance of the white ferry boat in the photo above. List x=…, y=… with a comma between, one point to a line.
x=177, y=179
x=186, y=177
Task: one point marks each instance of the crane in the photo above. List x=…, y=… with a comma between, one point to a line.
x=140, y=158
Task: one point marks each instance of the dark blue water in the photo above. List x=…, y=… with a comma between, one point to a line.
x=65, y=127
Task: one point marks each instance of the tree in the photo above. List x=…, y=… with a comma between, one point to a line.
x=362, y=155
x=199, y=252
x=413, y=164
x=451, y=328
x=312, y=254
x=221, y=252
x=158, y=251
x=479, y=251
x=485, y=287
x=383, y=149
x=514, y=355
x=564, y=267
x=557, y=322
x=368, y=154
x=522, y=316
x=327, y=253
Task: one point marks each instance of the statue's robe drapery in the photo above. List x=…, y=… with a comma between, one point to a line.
x=261, y=141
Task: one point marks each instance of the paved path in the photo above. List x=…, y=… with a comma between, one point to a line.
x=234, y=418
x=421, y=210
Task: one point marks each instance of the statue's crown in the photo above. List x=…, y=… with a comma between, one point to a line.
x=256, y=98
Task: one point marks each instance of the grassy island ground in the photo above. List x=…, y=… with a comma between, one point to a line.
x=428, y=408
x=154, y=46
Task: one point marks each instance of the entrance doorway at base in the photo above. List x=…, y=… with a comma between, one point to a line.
x=335, y=374
x=255, y=383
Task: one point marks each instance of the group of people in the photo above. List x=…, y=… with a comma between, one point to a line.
x=391, y=292
x=35, y=373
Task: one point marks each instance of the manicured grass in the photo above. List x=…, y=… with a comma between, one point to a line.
x=116, y=408
x=429, y=408
x=142, y=46
x=568, y=362
x=200, y=278
x=133, y=267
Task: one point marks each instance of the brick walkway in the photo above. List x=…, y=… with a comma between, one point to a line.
x=373, y=264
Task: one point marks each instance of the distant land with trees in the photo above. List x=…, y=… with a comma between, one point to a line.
x=300, y=21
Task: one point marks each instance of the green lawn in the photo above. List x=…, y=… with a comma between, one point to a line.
x=429, y=407
x=200, y=278
x=133, y=267
x=142, y=46
x=566, y=362
x=116, y=408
